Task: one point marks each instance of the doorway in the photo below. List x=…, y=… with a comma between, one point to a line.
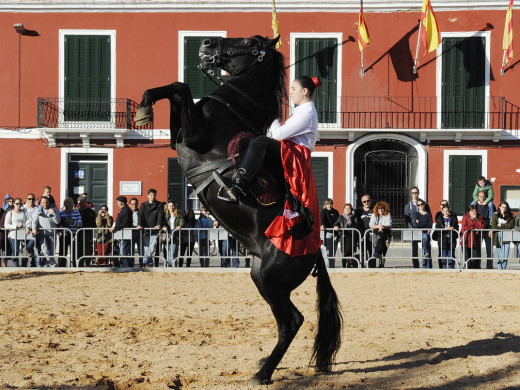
x=88, y=173
x=386, y=169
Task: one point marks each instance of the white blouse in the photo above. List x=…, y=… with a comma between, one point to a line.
x=301, y=127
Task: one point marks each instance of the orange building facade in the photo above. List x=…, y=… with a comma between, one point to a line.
x=70, y=125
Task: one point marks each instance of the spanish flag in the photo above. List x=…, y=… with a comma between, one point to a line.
x=363, y=36
x=274, y=25
x=507, y=43
x=431, y=35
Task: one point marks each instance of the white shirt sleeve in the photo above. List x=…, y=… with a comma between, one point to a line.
x=297, y=124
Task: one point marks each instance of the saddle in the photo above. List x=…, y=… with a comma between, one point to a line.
x=263, y=186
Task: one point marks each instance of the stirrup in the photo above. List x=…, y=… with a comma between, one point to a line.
x=225, y=192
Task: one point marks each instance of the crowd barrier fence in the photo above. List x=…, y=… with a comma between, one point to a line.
x=124, y=248
x=149, y=247
x=472, y=256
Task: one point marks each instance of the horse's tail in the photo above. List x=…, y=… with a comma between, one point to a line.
x=330, y=320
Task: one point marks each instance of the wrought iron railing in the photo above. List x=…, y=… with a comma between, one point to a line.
x=430, y=112
x=107, y=114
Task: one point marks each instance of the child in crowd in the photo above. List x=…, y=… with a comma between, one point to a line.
x=47, y=192
x=484, y=185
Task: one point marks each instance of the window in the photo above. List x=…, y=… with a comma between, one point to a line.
x=511, y=195
x=320, y=170
x=189, y=72
x=464, y=171
x=319, y=56
x=176, y=183
x=87, y=66
x=463, y=80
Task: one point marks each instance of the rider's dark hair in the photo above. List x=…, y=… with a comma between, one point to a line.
x=307, y=82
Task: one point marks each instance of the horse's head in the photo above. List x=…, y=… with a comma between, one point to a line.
x=235, y=55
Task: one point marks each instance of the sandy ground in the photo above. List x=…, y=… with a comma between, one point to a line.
x=193, y=330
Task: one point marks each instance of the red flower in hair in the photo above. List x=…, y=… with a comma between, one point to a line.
x=316, y=81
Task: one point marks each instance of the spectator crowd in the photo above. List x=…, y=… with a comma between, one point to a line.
x=36, y=233
x=481, y=223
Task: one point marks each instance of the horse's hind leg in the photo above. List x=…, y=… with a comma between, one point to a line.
x=288, y=319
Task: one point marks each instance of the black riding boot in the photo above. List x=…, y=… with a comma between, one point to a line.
x=249, y=166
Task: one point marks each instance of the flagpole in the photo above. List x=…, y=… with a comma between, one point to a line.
x=362, y=66
x=503, y=63
x=416, y=62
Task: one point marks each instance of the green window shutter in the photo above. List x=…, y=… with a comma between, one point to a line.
x=199, y=84
x=318, y=57
x=463, y=83
x=176, y=183
x=320, y=170
x=87, y=77
x=463, y=175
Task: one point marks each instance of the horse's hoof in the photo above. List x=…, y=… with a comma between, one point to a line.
x=258, y=382
x=143, y=116
x=260, y=363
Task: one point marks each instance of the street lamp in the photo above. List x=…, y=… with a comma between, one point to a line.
x=20, y=29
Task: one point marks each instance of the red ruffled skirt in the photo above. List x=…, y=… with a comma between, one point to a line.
x=296, y=161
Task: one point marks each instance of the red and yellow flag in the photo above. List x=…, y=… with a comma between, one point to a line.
x=507, y=43
x=363, y=37
x=431, y=35
x=274, y=25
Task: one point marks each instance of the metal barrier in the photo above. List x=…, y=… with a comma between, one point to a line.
x=98, y=246
x=447, y=240
x=404, y=242
x=472, y=255
x=206, y=244
x=348, y=239
x=39, y=250
x=149, y=247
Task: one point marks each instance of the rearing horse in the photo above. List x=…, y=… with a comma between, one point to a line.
x=249, y=100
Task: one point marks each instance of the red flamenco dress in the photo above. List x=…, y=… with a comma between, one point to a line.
x=296, y=161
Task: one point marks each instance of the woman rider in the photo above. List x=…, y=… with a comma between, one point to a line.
x=290, y=147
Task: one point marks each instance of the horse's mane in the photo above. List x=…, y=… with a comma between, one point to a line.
x=280, y=86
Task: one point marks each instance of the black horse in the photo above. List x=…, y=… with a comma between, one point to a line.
x=248, y=100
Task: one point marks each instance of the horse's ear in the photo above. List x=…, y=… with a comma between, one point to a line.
x=272, y=43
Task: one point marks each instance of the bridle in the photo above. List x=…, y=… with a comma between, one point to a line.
x=257, y=51
x=207, y=68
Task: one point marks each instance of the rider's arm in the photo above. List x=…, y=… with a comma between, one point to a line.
x=298, y=123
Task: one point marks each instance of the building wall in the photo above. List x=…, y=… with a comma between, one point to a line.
x=147, y=52
x=28, y=165
x=147, y=47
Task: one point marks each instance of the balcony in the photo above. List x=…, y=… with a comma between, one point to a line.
x=426, y=117
x=87, y=118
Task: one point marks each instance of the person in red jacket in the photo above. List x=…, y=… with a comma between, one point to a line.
x=471, y=240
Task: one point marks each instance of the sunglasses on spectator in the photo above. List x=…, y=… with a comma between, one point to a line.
x=420, y=204
x=30, y=198
x=414, y=192
x=18, y=204
x=367, y=201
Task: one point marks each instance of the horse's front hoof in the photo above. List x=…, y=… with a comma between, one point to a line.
x=143, y=116
x=255, y=381
x=260, y=363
